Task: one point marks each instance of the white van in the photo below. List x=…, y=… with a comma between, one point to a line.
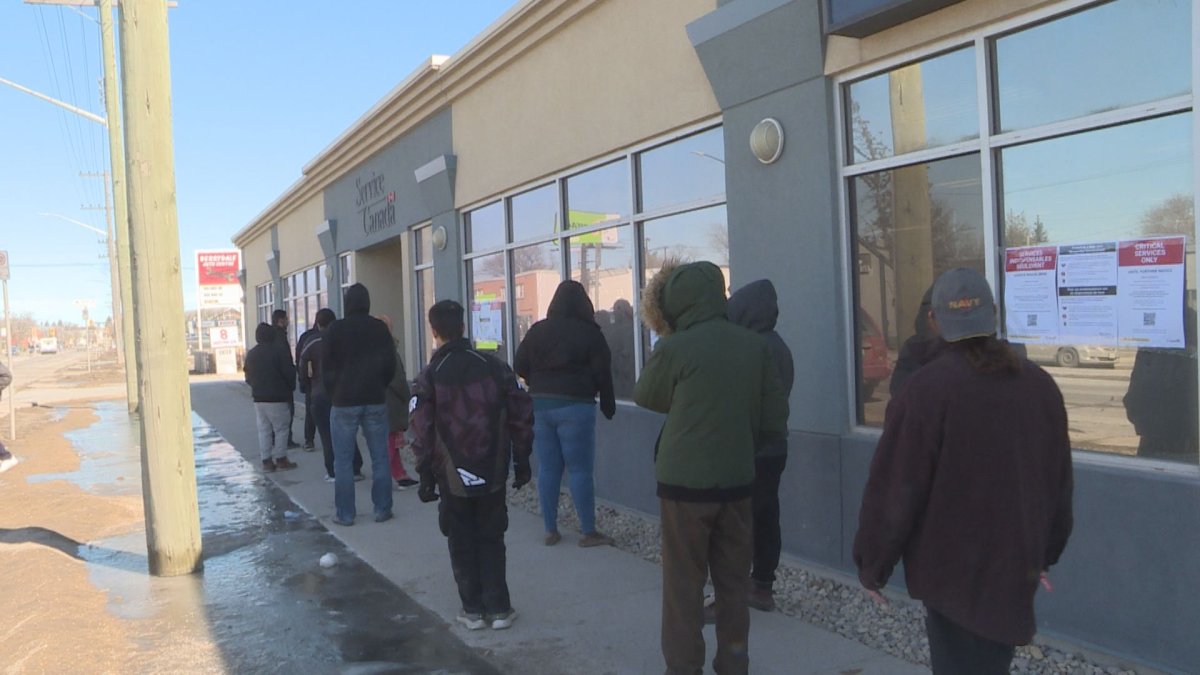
x=48, y=345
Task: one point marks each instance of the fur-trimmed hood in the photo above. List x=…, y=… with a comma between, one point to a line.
x=681, y=295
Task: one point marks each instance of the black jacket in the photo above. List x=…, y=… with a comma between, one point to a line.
x=360, y=357
x=268, y=368
x=308, y=366
x=470, y=421
x=565, y=354
x=756, y=306
x=971, y=485
x=303, y=378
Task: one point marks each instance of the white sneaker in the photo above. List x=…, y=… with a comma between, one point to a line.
x=502, y=621
x=6, y=464
x=470, y=620
x=329, y=479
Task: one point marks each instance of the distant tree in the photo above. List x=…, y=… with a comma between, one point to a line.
x=1174, y=215
x=1018, y=231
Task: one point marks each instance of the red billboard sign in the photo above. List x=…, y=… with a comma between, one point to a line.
x=218, y=268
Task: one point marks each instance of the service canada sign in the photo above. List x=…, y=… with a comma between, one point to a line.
x=375, y=203
x=217, y=278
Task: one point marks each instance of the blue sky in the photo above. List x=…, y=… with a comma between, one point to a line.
x=258, y=89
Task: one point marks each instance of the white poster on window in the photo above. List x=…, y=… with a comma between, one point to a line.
x=487, y=324
x=1031, y=294
x=1087, y=293
x=1151, y=278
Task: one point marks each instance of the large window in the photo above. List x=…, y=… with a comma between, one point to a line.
x=264, y=300
x=1080, y=134
x=604, y=228
x=305, y=292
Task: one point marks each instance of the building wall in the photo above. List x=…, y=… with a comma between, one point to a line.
x=594, y=86
x=380, y=199
x=298, y=245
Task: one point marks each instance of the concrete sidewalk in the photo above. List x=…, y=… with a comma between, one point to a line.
x=580, y=610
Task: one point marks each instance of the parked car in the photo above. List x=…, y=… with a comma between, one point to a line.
x=1072, y=356
x=876, y=366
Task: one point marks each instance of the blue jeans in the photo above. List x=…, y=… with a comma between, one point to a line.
x=565, y=437
x=343, y=426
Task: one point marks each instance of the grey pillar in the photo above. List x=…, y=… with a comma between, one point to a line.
x=436, y=181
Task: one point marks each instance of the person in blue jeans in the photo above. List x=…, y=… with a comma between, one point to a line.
x=360, y=360
x=565, y=361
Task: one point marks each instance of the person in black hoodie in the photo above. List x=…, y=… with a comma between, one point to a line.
x=272, y=378
x=970, y=485
x=756, y=306
x=565, y=361
x=279, y=319
x=360, y=360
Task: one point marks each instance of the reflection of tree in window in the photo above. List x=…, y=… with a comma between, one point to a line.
x=906, y=222
x=1018, y=231
x=1175, y=215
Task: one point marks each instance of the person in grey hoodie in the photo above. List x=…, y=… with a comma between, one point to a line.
x=756, y=306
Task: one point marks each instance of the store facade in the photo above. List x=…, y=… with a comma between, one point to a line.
x=594, y=139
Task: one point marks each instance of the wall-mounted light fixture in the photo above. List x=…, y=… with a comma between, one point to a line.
x=439, y=237
x=766, y=140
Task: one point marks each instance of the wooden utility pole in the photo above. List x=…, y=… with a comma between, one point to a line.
x=116, y=155
x=168, y=464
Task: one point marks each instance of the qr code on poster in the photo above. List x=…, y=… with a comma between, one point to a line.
x=1031, y=320
x=1149, y=318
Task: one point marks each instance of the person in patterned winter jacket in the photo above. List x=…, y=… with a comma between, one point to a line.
x=469, y=421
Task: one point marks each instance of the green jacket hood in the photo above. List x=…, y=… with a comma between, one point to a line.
x=693, y=293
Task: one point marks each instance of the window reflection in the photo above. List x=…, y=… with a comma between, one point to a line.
x=911, y=224
x=685, y=171
x=424, y=245
x=535, y=213
x=425, y=300
x=535, y=278
x=485, y=227
x=600, y=195
x=488, y=329
x=603, y=262
x=922, y=105
x=1112, y=56
x=1130, y=181
x=687, y=237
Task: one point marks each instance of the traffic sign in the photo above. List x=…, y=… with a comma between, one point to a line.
x=3, y=265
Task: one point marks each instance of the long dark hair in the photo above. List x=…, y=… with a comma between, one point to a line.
x=990, y=356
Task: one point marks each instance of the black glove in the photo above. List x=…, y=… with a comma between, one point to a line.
x=427, y=492
x=521, y=476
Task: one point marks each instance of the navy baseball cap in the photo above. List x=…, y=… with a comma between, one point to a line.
x=963, y=305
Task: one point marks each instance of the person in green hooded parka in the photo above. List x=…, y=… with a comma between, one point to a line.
x=718, y=387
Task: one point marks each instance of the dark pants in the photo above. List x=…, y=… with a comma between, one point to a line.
x=320, y=407
x=4, y=453
x=701, y=539
x=954, y=649
x=765, y=504
x=310, y=422
x=474, y=529
x=291, y=419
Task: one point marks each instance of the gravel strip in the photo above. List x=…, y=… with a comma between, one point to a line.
x=842, y=608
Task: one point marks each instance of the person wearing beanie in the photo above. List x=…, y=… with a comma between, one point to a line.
x=970, y=486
